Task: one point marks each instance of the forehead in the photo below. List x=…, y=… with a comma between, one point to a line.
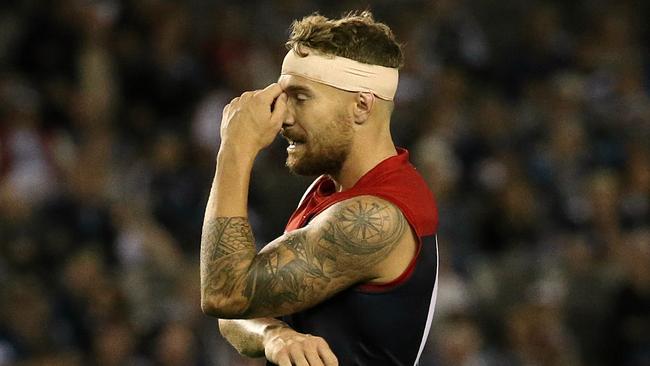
x=293, y=81
x=288, y=82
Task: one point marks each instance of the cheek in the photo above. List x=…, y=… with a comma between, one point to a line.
x=326, y=138
x=321, y=123
x=311, y=123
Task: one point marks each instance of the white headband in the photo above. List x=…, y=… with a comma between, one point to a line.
x=342, y=73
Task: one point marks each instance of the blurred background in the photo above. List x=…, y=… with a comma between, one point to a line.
x=529, y=119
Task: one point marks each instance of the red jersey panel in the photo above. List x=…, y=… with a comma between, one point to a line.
x=394, y=180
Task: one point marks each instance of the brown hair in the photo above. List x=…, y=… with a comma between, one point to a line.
x=356, y=36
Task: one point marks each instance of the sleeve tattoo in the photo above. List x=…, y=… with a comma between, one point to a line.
x=301, y=268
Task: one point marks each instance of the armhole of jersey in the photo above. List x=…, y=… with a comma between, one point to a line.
x=432, y=306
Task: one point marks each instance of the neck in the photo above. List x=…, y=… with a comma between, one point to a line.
x=362, y=159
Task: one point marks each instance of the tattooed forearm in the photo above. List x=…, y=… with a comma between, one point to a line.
x=227, y=248
x=227, y=235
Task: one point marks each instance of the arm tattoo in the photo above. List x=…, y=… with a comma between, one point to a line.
x=303, y=267
x=365, y=228
x=290, y=277
x=359, y=235
x=226, y=243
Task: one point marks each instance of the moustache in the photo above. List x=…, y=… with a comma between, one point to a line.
x=292, y=137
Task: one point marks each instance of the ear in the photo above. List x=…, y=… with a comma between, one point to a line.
x=363, y=105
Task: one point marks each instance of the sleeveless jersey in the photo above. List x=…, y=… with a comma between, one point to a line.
x=378, y=324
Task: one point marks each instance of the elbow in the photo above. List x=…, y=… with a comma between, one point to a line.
x=222, y=307
x=210, y=308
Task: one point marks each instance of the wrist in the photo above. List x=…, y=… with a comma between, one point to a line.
x=273, y=331
x=236, y=150
x=236, y=159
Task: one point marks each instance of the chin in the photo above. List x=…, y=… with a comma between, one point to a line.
x=299, y=169
x=313, y=167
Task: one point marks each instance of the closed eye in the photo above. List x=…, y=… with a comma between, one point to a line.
x=298, y=93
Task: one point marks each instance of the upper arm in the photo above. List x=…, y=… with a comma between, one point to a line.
x=340, y=248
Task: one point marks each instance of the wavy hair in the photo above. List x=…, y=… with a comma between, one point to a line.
x=356, y=36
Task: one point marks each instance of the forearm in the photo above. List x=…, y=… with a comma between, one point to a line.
x=229, y=192
x=227, y=242
x=247, y=336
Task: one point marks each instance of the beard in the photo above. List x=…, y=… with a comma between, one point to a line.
x=324, y=153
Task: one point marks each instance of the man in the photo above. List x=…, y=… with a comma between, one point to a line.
x=354, y=275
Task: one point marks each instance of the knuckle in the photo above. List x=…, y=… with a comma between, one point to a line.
x=297, y=350
x=311, y=343
x=257, y=97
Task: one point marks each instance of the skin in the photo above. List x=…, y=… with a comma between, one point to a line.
x=360, y=240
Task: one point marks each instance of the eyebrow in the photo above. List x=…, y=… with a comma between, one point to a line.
x=297, y=89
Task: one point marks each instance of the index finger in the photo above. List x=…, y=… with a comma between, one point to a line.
x=270, y=92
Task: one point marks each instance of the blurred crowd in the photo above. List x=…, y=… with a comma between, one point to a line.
x=529, y=119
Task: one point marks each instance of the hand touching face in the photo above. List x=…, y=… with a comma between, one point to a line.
x=251, y=121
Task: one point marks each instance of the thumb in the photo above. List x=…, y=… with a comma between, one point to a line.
x=280, y=110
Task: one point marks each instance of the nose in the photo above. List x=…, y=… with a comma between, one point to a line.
x=289, y=119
